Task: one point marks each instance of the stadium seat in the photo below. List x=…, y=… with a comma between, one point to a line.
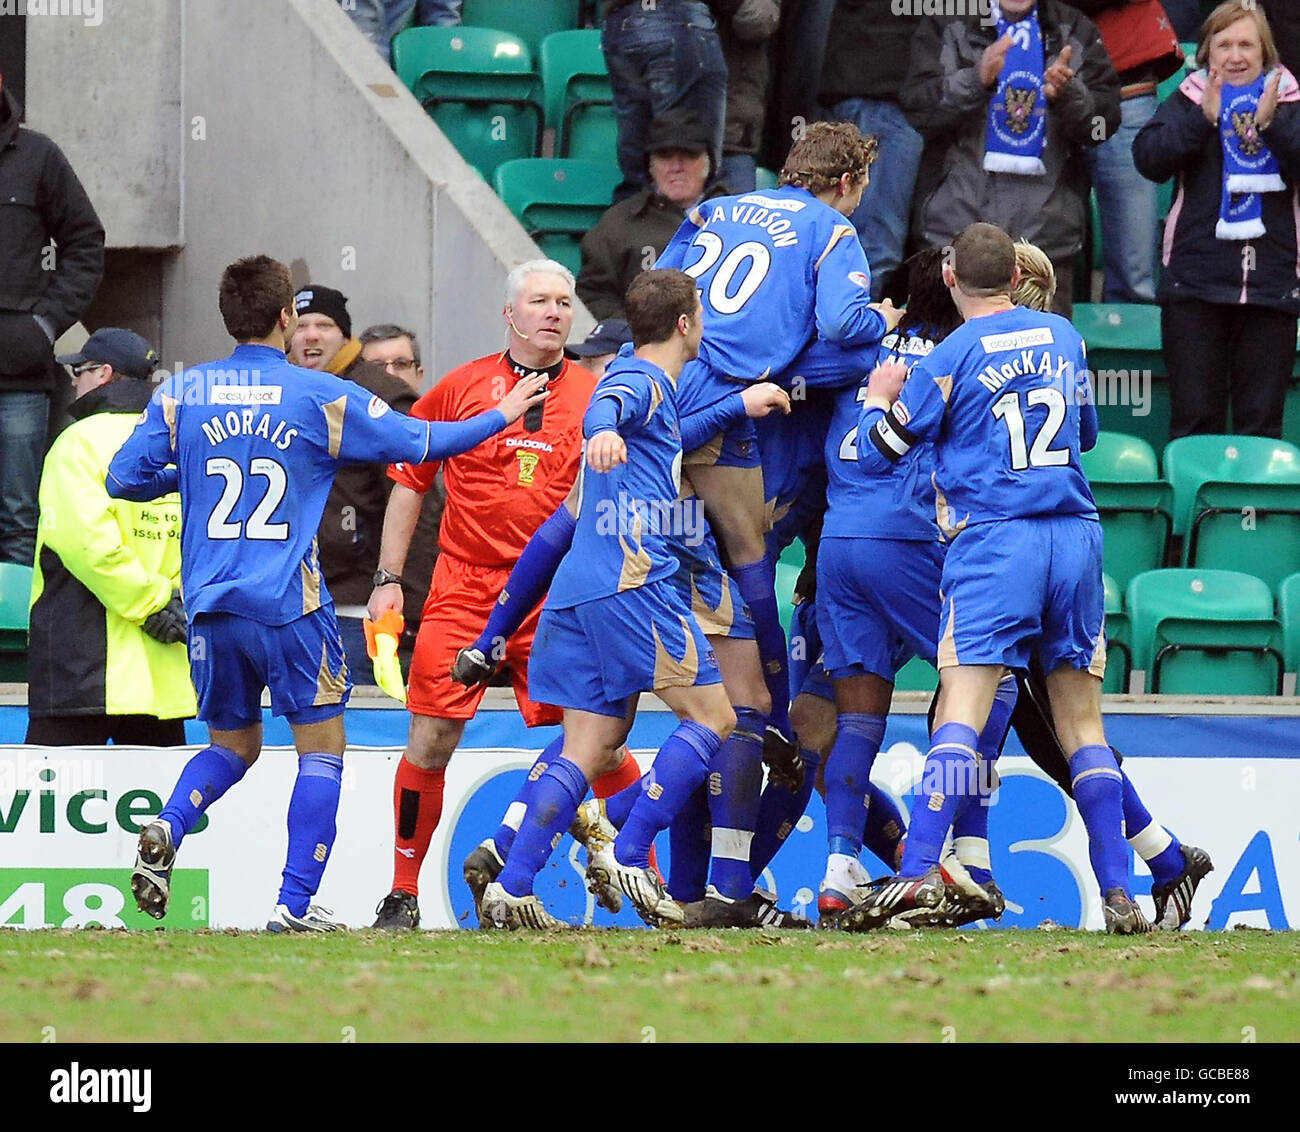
x=1135, y=504
x=1167, y=86
x=1121, y=335
x=15, y=601
x=1288, y=614
x=479, y=86
x=557, y=200
x=1119, y=651
x=579, y=104
x=786, y=577
x=916, y=676
x=1205, y=632
x=532, y=21
x=764, y=178
x=1237, y=503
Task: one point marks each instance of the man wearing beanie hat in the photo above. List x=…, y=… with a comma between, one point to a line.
x=107, y=658
x=354, y=512
x=630, y=235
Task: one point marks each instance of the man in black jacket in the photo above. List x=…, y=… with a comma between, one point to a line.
x=955, y=66
x=51, y=261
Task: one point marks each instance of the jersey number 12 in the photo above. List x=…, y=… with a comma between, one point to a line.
x=1042, y=455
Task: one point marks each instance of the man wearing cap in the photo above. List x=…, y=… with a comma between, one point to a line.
x=601, y=346
x=354, y=512
x=107, y=658
x=629, y=237
x=51, y=261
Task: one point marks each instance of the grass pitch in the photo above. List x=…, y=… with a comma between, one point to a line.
x=639, y=986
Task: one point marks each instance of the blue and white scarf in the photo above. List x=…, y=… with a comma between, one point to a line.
x=1018, y=111
x=1249, y=167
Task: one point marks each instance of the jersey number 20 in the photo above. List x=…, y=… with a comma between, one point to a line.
x=258, y=526
x=1042, y=455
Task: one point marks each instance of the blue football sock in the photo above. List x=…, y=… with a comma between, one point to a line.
x=679, y=769
x=208, y=775
x=557, y=794
x=757, y=585
x=688, y=850
x=735, y=786
x=313, y=814
x=528, y=582
x=618, y=806
x=970, y=826
x=778, y=810
x=504, y=837
x=885, y=826
x=1099, y=794
x=1157, y=846
x=945, y=781
x=848, y=779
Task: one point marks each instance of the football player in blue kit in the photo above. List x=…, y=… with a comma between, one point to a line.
x=1007, y=403
x=775, y=268
x=252, y=443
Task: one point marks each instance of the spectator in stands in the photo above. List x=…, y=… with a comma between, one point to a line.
x=630, y=235
x=868, y=97
x=601, y=346
x=1185, y=15
x=797, y=54
x=370, y=20
x=1003, y=148
x=745, y=45
x=354, y=511
x=1230, y=290
x=1143, y=50
x=51, y=261
x=419, y=13
x=1284, y=19
x=398, y=351
x=662, y=56
x=107, y=658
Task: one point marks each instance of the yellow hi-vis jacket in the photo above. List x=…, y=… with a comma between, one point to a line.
x=102, y=566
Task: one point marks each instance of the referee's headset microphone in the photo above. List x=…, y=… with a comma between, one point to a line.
x=533, y=417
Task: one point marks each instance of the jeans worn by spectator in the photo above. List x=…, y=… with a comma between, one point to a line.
x=23, y=420
x=882, y=217
x=368, y=15
x=438, y=13
x=739, y=171
x=1129, y=208
x=658, y=58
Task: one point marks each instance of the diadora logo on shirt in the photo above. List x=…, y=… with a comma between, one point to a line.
x=1017, y=340
x=246, y=395
x=524, y=442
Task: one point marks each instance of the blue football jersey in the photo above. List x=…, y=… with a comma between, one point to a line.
x=255, y=441
x=1007, y=401
x=774, y=268
x=629, y=517
x=896, y=506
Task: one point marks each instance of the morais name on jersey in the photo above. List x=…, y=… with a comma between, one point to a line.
x=246, y=420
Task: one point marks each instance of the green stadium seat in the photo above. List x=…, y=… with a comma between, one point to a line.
x=579, y=103
x=764, y=178
x=1167, y=86
x=531, y=20
x=1119, y=651
x=557, y=200
x=916, y=676
x=1237, y=503
x=786, y=577
x=15, y=602
x=1205, y=632
x=1288, y=614
x=479, y=86
x=1121, y=335
x=1135, y=504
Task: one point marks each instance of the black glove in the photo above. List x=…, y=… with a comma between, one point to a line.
x=472, y=668
x=168, y=625
x=785, y=766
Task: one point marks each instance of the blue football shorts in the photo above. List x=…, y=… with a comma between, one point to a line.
x=808, y=675
x=736, y=446
x=598, y=655
x=232, y=659
x=878, y=604
x=1018, y=588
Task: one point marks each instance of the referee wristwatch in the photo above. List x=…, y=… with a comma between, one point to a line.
x=386, y=578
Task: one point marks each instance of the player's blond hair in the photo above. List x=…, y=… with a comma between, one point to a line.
x=825, y=152
x=1037, y=286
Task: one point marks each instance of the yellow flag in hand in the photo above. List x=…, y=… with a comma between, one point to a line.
x=381, y=646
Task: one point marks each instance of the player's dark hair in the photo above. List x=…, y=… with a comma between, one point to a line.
x=254, y=290
x=984, y=259
x=655, y=300
x=930, y=312
x=825, y=152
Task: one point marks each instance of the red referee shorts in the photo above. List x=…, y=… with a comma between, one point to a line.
x=460, y=598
